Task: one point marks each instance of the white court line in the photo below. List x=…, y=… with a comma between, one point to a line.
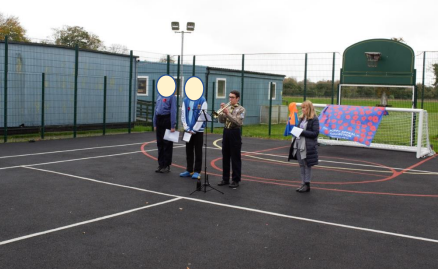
x=81, y=159
x=72, y=150
x=69, y=150
x=85, y=222
x=411, y=171
x=250, y=209
x=422, y=172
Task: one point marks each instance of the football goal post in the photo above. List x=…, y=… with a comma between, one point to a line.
x=403, y=129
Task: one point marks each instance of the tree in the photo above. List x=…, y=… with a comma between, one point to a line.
x=117, y=48
x=435, y=72
x=11, y=27
x=163, y=59
x=72, y=35
x=290, y=86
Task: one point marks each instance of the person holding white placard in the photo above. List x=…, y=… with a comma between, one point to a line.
x=304, y=147
x=190, y=112
x=165, y=118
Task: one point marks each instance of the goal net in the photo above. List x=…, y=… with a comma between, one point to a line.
x=403, y=129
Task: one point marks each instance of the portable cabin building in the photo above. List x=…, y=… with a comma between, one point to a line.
x=63, y=69
x=218, y=83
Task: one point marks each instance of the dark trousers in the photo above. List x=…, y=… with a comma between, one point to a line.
x=231, y=149
x=165, y=148
x=194, y=152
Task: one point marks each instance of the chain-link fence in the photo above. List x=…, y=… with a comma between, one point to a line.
x=62, y=91
x=51, y=91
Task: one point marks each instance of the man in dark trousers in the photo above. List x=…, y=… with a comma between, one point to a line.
x=164, y=118
x=190, y=112
x=233, y=117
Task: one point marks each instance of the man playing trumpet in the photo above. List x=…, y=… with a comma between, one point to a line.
x=232, y=114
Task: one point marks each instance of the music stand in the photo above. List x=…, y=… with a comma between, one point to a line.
x=205, y=117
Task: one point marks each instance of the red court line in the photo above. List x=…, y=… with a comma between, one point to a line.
x=263, y=180
x=316, y=167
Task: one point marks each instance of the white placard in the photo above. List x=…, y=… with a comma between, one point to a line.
x=296, y=131
x=169, y=136
x=187, y=137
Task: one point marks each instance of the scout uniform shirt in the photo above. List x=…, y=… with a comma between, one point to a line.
x=234, y=119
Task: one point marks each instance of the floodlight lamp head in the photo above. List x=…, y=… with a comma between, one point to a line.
x=190, y=26
x=372, y=58
x=175, y=26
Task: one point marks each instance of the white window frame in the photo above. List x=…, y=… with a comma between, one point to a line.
x=275, y=91
x=147, y=86
x=217, y=88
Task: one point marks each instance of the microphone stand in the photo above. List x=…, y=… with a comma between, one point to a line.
x=199, y=186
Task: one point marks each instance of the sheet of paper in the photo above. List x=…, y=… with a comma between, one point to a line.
x=187, y=137
x=296, y=131
x=169, y=136
x=202, y=117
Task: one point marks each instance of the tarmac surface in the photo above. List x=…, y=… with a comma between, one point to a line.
x=96, y=202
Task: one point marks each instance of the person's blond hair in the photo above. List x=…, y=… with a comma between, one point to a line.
x=310, y=113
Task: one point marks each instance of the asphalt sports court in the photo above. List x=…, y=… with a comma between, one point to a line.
x=96, y=202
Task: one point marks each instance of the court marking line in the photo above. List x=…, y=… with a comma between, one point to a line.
x=250, y=209
x=85, y=222
x=421, y=172
x=69, y=150
x=81, y=159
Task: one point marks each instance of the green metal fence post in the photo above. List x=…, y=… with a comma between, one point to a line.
x=43, y=80
x=207, y=75
x=5, y=129
x=104, y=105
x=333, y=78
x=422, y=83
x=305, y=78
x=178, y=84
x=130, y=90
x=168, y=64
x=415, y=89
x=153, y=103
x=338, y=94
x=270, y=106
x=76, y=90
x=194, y=64
x=242, y=86
x=212, y=103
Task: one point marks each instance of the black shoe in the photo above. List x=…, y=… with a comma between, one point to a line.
x=159, y=169
x=223, y=182
x=234, y=184
x=305, y=188
x=166, y=169
x=300, y=187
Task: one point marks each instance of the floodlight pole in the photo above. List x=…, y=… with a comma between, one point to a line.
x=190, y=27
x=182, y=54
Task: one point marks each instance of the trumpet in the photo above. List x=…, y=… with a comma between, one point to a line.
x=220, y=111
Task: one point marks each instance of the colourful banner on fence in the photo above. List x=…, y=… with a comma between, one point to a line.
x=293, y=119
x=356, y=123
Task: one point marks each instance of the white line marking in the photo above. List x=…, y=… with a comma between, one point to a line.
x=81, y=159
x=253, y=210
x=99, y=181
x=85, y=222
x=69, y=150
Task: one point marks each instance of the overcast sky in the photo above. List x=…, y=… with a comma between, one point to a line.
x=234, y=26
